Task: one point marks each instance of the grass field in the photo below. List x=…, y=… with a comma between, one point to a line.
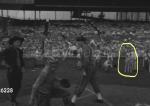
x=117, y=90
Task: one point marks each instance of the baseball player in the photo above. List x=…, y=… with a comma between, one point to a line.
x=48, y=86
x=89, y=72
x=127, y=63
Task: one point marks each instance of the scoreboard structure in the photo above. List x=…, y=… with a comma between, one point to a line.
x=134, y=3
x=96, y=5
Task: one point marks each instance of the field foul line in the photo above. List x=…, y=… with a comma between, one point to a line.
x=84, y=96
x=93, y=93
x=105, y=100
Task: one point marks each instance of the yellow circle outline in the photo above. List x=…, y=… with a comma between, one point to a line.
x=124, y=75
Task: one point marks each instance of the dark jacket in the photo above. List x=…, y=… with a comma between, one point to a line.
x=10, y=57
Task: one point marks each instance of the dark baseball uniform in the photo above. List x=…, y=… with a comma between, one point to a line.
x=89, y=71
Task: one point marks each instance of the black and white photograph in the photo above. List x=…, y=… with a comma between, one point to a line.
x=74, y=53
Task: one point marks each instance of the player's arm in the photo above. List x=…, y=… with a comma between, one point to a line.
x=38, y=82
x=41, y=77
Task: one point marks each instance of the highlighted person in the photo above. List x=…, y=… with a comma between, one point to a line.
x=87, y=65
x=127, y=63
x=130, y=62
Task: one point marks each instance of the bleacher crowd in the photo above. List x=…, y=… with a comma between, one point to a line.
x=105, y=38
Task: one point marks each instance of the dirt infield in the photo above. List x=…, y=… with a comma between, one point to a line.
x=117, y=90
x=113, y=96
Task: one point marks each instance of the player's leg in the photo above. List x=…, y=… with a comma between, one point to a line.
x=126, y=65
x=81, y=87
x=18, y=82
x=96, y=88
x=130, y=66
x=135, y=65
x=14, y=82
x=10, y=79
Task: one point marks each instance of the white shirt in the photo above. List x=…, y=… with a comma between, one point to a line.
x=73, y=48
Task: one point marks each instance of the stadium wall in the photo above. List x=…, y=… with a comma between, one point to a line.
x=134, y=16
x=67, y=15
x=50, y=15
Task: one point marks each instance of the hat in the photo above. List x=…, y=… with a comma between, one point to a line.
x=15, y=38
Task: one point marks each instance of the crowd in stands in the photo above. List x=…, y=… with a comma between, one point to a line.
x=106, y=37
